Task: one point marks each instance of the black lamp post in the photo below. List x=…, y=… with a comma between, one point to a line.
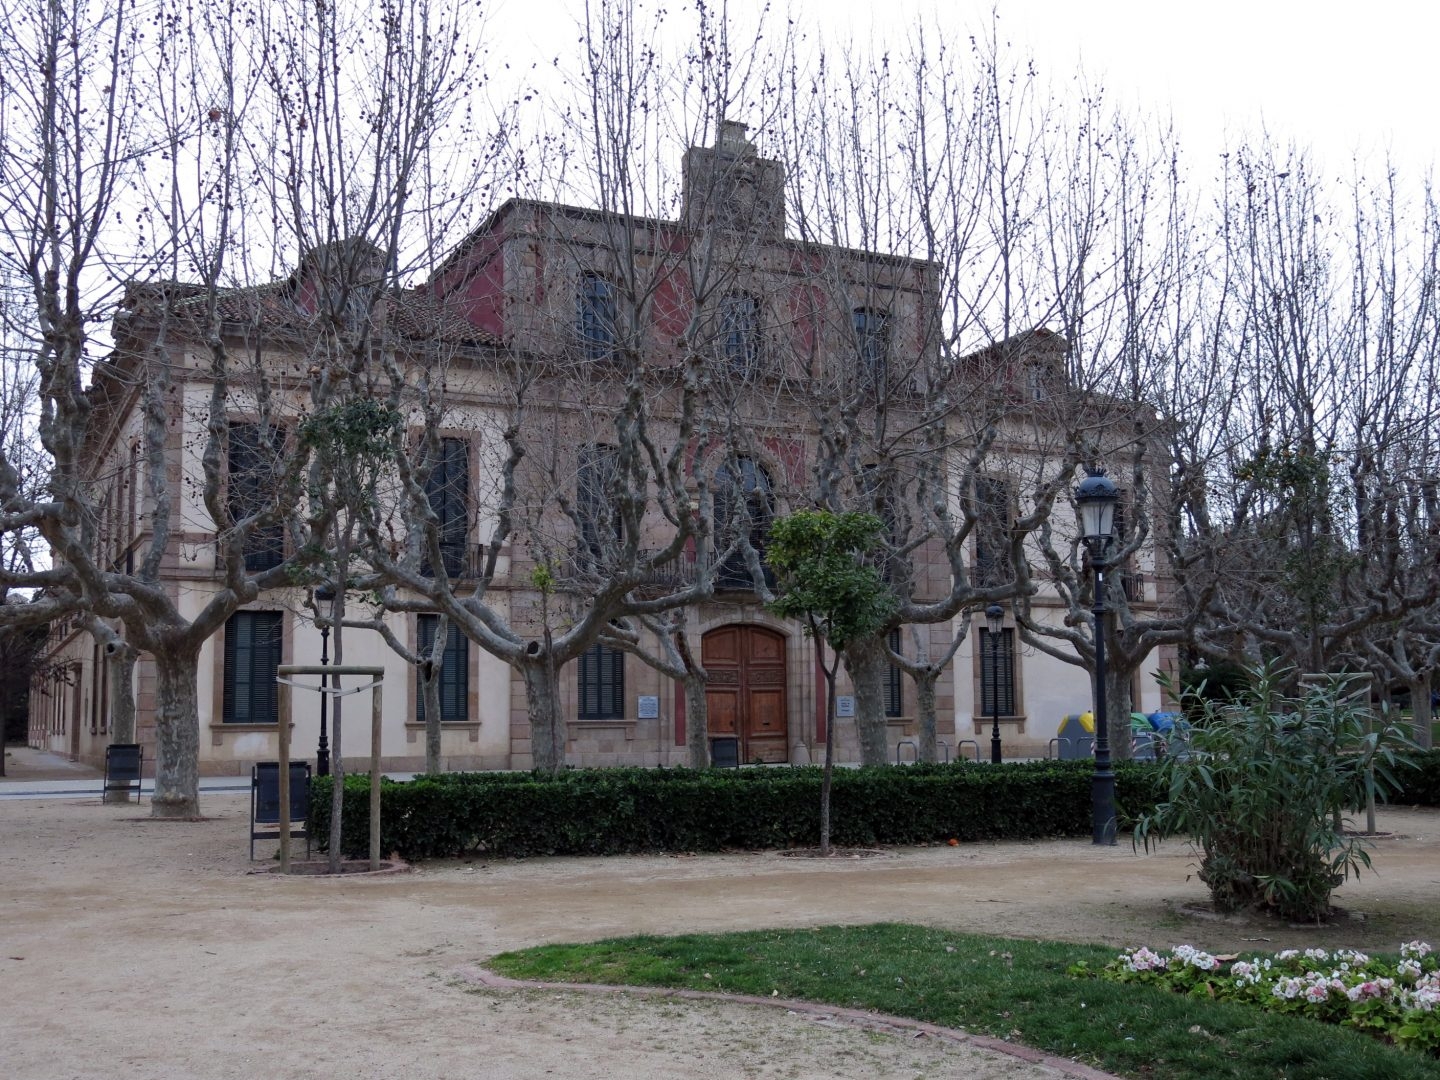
x=324, y=612
x=995, y=616
x=1096, y=497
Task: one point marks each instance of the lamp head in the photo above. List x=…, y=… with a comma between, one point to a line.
x=1096, y=496
x=995, y=616
x=324, y=599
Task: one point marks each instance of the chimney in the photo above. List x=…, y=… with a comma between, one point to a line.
x=728, y=186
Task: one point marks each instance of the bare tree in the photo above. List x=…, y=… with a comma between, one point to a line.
x=333, y=126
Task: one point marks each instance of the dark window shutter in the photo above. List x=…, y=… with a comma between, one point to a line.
x=597, y=473
x=740, y=332
x=597, y=317
x=602, y=683
x=251, y=464
x=992, y=531
x=894, y=681
x=454, y=672
x=872, y=337
x=252, y=660
x=448, y=492
x=997, y=673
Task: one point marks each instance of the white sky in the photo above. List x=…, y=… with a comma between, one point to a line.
x=1337, y=77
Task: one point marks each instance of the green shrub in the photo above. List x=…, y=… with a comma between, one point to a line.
x=617, y=811
x=1419, y=780
x=1262, y=793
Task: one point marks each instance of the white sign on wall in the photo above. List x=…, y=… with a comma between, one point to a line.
x=649, y=707
x=844, y=705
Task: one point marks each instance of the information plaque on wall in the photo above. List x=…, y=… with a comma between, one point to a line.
x=649, y=707
x=844, y=705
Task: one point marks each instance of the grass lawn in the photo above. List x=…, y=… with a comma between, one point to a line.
x=998, y=986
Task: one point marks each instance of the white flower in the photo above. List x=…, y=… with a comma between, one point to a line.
x=1143, y=959
x=1286, y=987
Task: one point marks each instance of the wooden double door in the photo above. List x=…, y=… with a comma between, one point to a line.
x=745, y=693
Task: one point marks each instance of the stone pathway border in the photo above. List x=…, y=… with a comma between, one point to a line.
x=871, y=1021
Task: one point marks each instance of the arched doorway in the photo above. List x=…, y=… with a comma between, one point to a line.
x=745, y=693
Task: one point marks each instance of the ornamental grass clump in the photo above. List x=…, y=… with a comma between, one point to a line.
x=1262, y=792
x=1394, y=1000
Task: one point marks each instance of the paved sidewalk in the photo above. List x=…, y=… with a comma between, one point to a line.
x=40, y=774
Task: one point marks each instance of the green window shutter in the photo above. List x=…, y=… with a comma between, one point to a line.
x=253, y=641
x=602, y=683
x=997, y=673
x=454, y=672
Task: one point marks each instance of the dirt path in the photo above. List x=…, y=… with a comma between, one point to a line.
x=138, y=948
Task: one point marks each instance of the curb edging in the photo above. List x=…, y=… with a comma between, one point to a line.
x=872, y=1021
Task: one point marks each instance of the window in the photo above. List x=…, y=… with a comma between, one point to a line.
x=872, y=340
x=1035, y=382
x=997, y=673
x=254, y=457
x=878, y=489
x=447, y=489
x=598, y=317
x=894, y=680
x=992, y=531
x=740, y=332
x=596, y=477
x=602, y=683
x=252, y=660
x=454, y=671
x=744, y=503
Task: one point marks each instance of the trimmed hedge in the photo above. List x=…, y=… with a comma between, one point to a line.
x=1419, y=781
x=627, y=811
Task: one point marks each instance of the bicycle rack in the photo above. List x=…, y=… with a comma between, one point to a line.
x=915, y=746
x=965, y=742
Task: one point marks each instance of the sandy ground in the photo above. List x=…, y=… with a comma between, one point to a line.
x=131, y=947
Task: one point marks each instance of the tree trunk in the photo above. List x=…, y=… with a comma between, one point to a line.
x=430, y=692
x=120, y=659
x=697, y=722
x=336, y=854
x=829, y=770
x=177, y=736
x=925, y=708
x=547, y=726
x=1421, y=712
x=1117, y=709
x=865, y=662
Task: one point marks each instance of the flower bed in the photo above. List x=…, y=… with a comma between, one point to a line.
x=1395, y=1000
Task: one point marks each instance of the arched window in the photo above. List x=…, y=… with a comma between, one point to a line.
x=744, y=505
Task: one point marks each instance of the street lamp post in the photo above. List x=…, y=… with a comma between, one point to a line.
x=324, y=612
x=1096, y=497
x=995, y=616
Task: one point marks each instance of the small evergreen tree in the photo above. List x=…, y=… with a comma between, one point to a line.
x=824, y=581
